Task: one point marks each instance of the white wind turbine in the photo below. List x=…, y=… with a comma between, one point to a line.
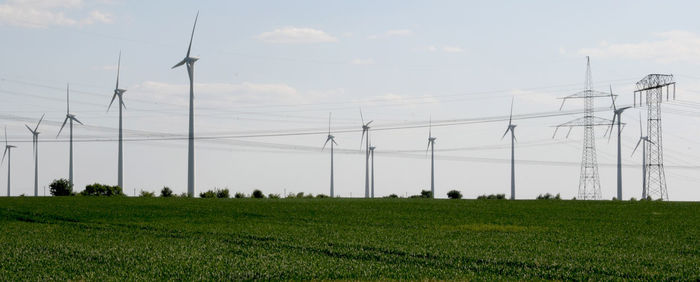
x=8, y=151
x=617, y=115
x=643, y=139
x=35, y=145
x=371, y=152
x=72, y=118
x=431, y=146
x=511, y=128
x=118, y=93
x=189, y=61
x=365, y=139
x=331, y=139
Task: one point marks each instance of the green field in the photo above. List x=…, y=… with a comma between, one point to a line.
x=86, y=238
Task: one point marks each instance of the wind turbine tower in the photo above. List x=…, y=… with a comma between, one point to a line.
x=35, y=147
x=645, y=140
x=617, y=115
x=589, y=181
x=431, y=146
x=651, y=89
x=330, y=139
x=118, y=92
x=8, y=151
x=511, y=128
x=371, y=150
x=189, y=60
x=365, y=139
x=69, y=117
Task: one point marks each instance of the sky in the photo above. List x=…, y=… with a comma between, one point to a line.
x=270, y=72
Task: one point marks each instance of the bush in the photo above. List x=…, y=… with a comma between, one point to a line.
x=239, y=195
x=633, y=199
x=273, y=196
x=223, y=194
x=147, y=194
x=208, y=194
x=322, y=196
x=426, y=194
x=300, y=195
x=392, y=196
x=454, y=194
x=257, y=194
x=97, y=189
x=290, y=196
x=61, y=187
x=309, y=196
x=166, y=192
x=548, y=196
x=492, y=197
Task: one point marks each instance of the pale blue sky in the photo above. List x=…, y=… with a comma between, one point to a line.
x=280, y=66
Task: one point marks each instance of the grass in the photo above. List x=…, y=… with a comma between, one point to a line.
x=86, y=238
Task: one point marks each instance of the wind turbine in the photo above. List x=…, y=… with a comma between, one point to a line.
x=617, y=115
x=331, y=139
x=8, y=151
x=189, y=60
x=118, y=93
x=371, y=151
x=365, y=129
x=72, y=118
x=35, y=145
x=431, y=146
x=643, y=139
x=511, y=128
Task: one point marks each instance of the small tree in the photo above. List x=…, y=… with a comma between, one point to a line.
x=454, y=194
x=273, y=196
x=392, y=196
x=166, y=192
x=258, y=194
x=61, y=187
x=207, y=194
x=97, y=189
x=239, y=195
x=426, y=194
x=147, y=194
x=321, y=196
x=300, y=195
x=222, y=193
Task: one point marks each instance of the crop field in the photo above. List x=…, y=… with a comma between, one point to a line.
x=119, y=238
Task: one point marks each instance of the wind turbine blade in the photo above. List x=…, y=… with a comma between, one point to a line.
x=369, y=122
x=362, y=139
x=640, y=125
x=362, y=117
x=119, y=63
x=29, y=128
x=122, y=103
x=333, y=140
x=426, y=149
x=3, y=155
x=612, y=97
x=180, y=63
x=38, y=123
x=510, y=119
x=76, y=120
x=110, y=103
x=430, y=127
x=567, y=134
x=324, y=144
x=504, y=134
x=562, y=104
x=612, y=127
x=635, y=147
x=64, y=124
x=514, y=138
x=555, y=132
x=67, y=98
x=192, y=36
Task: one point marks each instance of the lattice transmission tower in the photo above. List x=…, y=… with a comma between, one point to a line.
x=589, y=181
x=651, y=89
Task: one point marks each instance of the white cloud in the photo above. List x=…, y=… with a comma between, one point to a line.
x=666, y=47
x=446, y=49
x=296, y=35
x=392, y=33
x=452, y=49
x=362, y=62
x=42, y=14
